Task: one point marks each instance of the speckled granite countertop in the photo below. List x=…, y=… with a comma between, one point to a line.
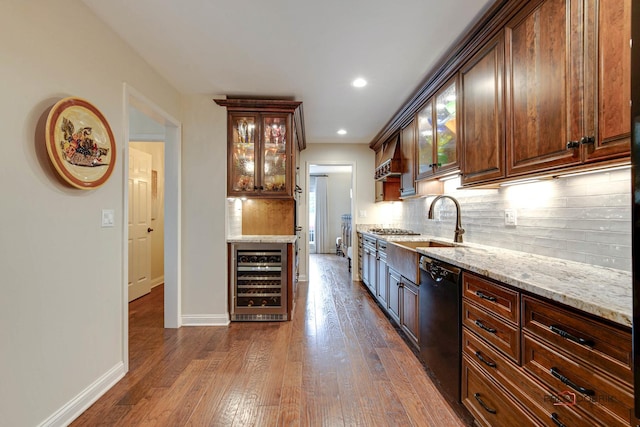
x=262, y=239
x=601, y=291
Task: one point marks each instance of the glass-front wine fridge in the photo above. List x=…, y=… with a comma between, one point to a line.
x=259, y=282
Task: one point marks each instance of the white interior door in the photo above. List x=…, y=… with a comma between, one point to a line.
x=139, y=223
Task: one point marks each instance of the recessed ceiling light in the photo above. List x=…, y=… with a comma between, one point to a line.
x=359, y=82
x=342, y=132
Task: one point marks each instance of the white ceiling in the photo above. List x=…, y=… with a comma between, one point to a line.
x=304, y=49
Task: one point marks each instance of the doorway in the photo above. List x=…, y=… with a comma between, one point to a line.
x=146, y=214
x=145, y=121
x=330, y=196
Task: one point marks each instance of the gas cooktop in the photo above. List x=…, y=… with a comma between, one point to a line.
x=395, y=231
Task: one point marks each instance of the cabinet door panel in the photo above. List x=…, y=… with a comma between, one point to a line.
x=382, y=289
x=608, y=75
x=425, y=141
x=408, y=154
x=243, y=157
x=395, y=289
x=446, y=128
x=483, y=115
x=275, y=160
x=543, y=87
x=409, y=312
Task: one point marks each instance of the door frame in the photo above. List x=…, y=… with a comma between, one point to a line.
x=172, y=212
x=354, y=199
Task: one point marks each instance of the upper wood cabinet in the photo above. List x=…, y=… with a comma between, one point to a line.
x=482, y=116
x=608, y=76
x=543, y=86
x=260, y=152
x=437, y=133
x=567, y=85
x=408, y=160
x=544, y=89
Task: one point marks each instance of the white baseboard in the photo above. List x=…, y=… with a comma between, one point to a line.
x=205, y=319
x=157, y=281
x=76, y=406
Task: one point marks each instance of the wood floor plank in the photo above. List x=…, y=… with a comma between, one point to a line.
x=338, y=362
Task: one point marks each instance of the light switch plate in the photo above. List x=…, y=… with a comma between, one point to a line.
x=510, y=217
x=108, y=218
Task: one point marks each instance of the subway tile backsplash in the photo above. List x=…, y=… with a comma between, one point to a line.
x=584, y=218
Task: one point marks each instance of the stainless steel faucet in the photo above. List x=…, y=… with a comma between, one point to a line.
x=457, y=237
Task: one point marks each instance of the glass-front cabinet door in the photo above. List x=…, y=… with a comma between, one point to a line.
x=260, y=152
x=275, y=154
x=446, y=141
x=425, y=141
x=437, y=133
x=243, y=132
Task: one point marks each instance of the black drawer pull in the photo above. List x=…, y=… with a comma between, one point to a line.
x=567, y=381
x=486, y=408
x=567, y=335
x=485, y=296
x=482, y=326
x=489, y=363
x=556, y=421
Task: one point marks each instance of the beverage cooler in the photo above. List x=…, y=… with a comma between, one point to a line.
x=258, y=282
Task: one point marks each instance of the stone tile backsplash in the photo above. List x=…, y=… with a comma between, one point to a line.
x=585, y=218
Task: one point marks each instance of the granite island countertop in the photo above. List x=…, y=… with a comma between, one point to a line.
x=269, y=238
x=601, y=291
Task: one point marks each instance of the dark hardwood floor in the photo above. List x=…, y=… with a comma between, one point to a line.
x=339, y=362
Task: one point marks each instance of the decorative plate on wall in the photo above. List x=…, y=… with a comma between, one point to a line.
x=80, y=143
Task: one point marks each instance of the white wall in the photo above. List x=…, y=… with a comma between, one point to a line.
x=61, y=287
x=204, y=189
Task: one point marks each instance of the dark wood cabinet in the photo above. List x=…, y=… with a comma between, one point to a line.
x=482, y=129
x=543, y=86
x=408, y=160
x=437, y=133
x=568, y=84
x=260, y=146
x=388, y=190
x=543, y=90
x=541, y=361
x=607, y=79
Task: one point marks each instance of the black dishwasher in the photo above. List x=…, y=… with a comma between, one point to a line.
x=440, y=325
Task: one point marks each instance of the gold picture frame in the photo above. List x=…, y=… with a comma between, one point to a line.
x=80, y=143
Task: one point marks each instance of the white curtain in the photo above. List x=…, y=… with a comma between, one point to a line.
x=323, y=242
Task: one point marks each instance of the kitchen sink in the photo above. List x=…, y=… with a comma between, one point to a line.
x=424, y=243
x=403, y=257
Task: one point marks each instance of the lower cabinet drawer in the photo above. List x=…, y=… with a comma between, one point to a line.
x=579, y=386
x=488, y=404
x=544, y=404
x=595, y=342
x=494, y=330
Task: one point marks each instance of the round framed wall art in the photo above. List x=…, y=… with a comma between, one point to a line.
x=80, y=143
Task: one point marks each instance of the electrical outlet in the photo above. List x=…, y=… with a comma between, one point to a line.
x=510, y=217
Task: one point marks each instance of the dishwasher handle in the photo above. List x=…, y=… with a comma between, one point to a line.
x=437, y=272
